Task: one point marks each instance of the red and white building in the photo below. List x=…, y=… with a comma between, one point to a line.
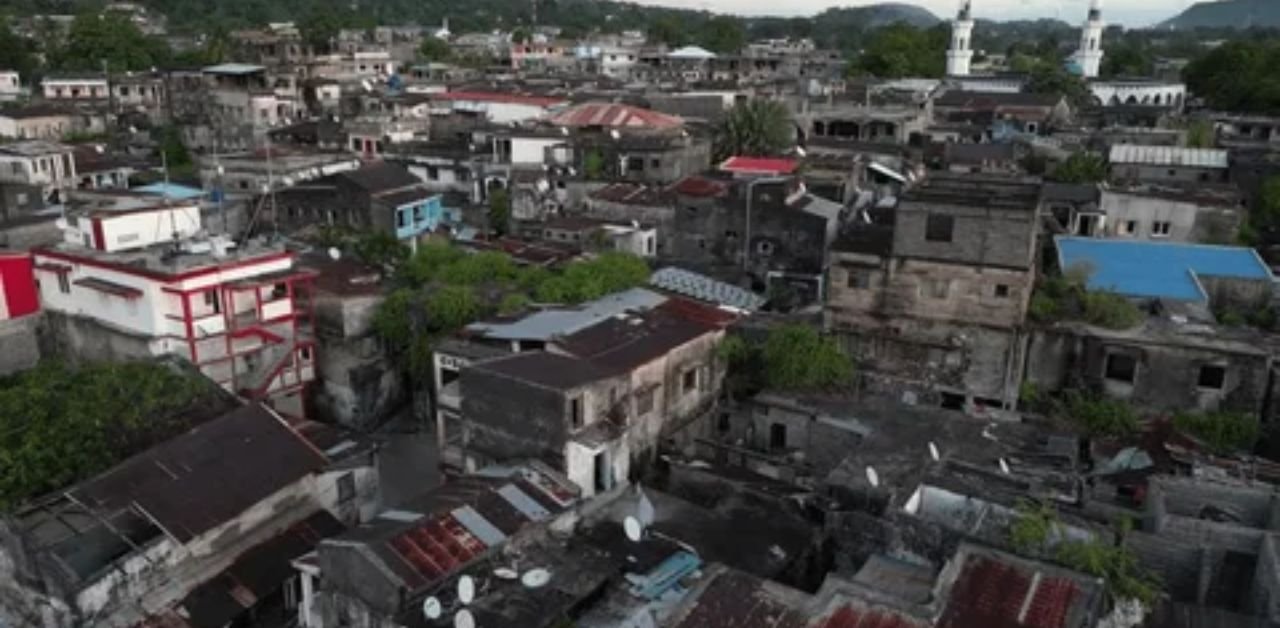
x=18, y=296
x=146, y=282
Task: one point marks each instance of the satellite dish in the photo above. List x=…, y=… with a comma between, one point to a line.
x=1004, y=466
x=334, y=253
x=564, y=131
x=535, y=578
x=800, y=151
x=506, y=573
x=933, y=452
x=466, y=589
x=431, y=608
x=632, y=527
x=463, y=619
x=615, y=134
x=873, y=478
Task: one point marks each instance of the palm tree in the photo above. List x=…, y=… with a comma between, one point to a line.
x=755, y=128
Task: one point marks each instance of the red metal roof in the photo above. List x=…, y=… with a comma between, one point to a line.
x=437, y=548
x=850, y=617
x=499, y=97
x=615, y=115
x=991, y=594
x=701, y=186
x=759, y=165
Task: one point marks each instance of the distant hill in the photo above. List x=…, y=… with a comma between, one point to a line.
x=875, y=16
x=1228, y=14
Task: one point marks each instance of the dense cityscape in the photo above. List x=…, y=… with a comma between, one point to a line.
x=582, y=313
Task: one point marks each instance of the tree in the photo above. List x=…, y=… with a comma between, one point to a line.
x=434, y=49
x=593, y=165
x=1201, y=134
x=173, y=149
x=1052, y=79
x=499, y=211
x=520, y=35
x=380, y=249
x=1238, y=76
x=754, y=128
x=1265, y=216
x=111, y=39
x=668, y=30
x=320, y=27
x=723, y=34
x=902, y=50
x=16, y=52
x=1080, y=168
x=797, y=358
x=1127, y=59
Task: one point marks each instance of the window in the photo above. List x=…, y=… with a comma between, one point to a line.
x=1212, y=377
x=1121, y=368
x=689, y=382
x=654, y=163
x=635, y=163
x=858, y=279
x=64, y=283
x=212, y=301
x=1160, y=228
x=764, y=247
x=433, y=173
x=645, y=402
x=938, y=228
x=279, y=291
x=777, y=436
x=1002, y=291
x=346, y=488
x=402, y=218
x=1127, y=227
x=575, y=411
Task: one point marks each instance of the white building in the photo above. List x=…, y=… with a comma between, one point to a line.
x=1088, y=58
x=10, y=85
x=960, y=54
x=49, y=165
x=136, y=279
x=74, y=88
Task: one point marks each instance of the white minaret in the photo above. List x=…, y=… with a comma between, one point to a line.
x=960, y=54
x=1089, y=56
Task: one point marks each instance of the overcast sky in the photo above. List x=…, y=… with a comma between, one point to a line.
x=1128, y=12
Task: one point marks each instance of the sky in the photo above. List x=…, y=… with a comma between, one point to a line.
x=1131, y=13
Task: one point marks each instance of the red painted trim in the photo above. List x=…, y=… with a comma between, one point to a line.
x=19, y=285
x=99, y=240
x=158, y=276
x=191, y=334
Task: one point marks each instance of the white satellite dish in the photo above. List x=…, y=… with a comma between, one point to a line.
x=463, y=619
x=615, y=134
x=564, y=130
x=466, y=589
x=431, y=608
x=933, y=452
x=800, y=151
x=506, y=573
x=1004, y=466
x=334, y=253
x=632, y=527
x=535, y=578
x=873, y=478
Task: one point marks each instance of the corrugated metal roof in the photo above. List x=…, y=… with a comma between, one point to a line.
x=234, y=68
x=1157, y=269
x=1168, y=156
x=548, y=323
x=703, y=288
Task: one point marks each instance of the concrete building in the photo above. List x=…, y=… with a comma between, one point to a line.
x=127, y=546
x=10, y=85
x=1088, y=57
x=379, y=196
x=46, y=166
x=859, y=123
x=1004, y=113
x=1133, y=164
x=1205, y=214
x=593, y=388
x=496, y=107
x=139, y=279
x=931, y=298
x=37, y=122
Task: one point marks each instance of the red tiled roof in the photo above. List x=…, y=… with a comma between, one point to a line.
x=437, y=548
x=850, y=617
x=615, y=115
x=991, y=594
x=701, y=186
x=499, y=97
x=759, y=165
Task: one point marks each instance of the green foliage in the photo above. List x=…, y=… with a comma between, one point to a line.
x=434, y=49
x=1035, y=528
x=1029, y=394
x=451, y=307
x=1080, y=168
x=593, y=165
x=798, y=358
x=173, y=148
x=902, y=50
x=499, y=211
x=584, y=281
x=381, y=249
x=723, y=34
x=1266, y=209
x=319, y=28
x=1066, y=297
x=1051, y=78
x=513, y=303
x=59, y=424
x=1201, y=134
x=668, y=30
x=16, y=53
x=1127, y=58
x=756, y=128
x=1224, y=432
x=1098, y=415
x=1239, y=75
x=520, y=35
x=1117, y=565
x=109, y=38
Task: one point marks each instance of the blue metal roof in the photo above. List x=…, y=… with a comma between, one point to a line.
x=171, y=190
x=1157, y=269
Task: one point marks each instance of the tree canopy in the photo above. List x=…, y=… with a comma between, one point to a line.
x=755, y=128
x=794, y=358
x=1239, y=75
x=1080, y=168
x=434, y=49
x=111, y=39
x=902, y=50
x=61, y=424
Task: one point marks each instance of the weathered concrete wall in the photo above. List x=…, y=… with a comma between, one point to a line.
x=1167, y=375
x=359, y=386
x=505, y=419
x=19, y=345
x=987, y=237
x=1189, y=221
x=711, y=232
x=1266, y=581
x=77, y=338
